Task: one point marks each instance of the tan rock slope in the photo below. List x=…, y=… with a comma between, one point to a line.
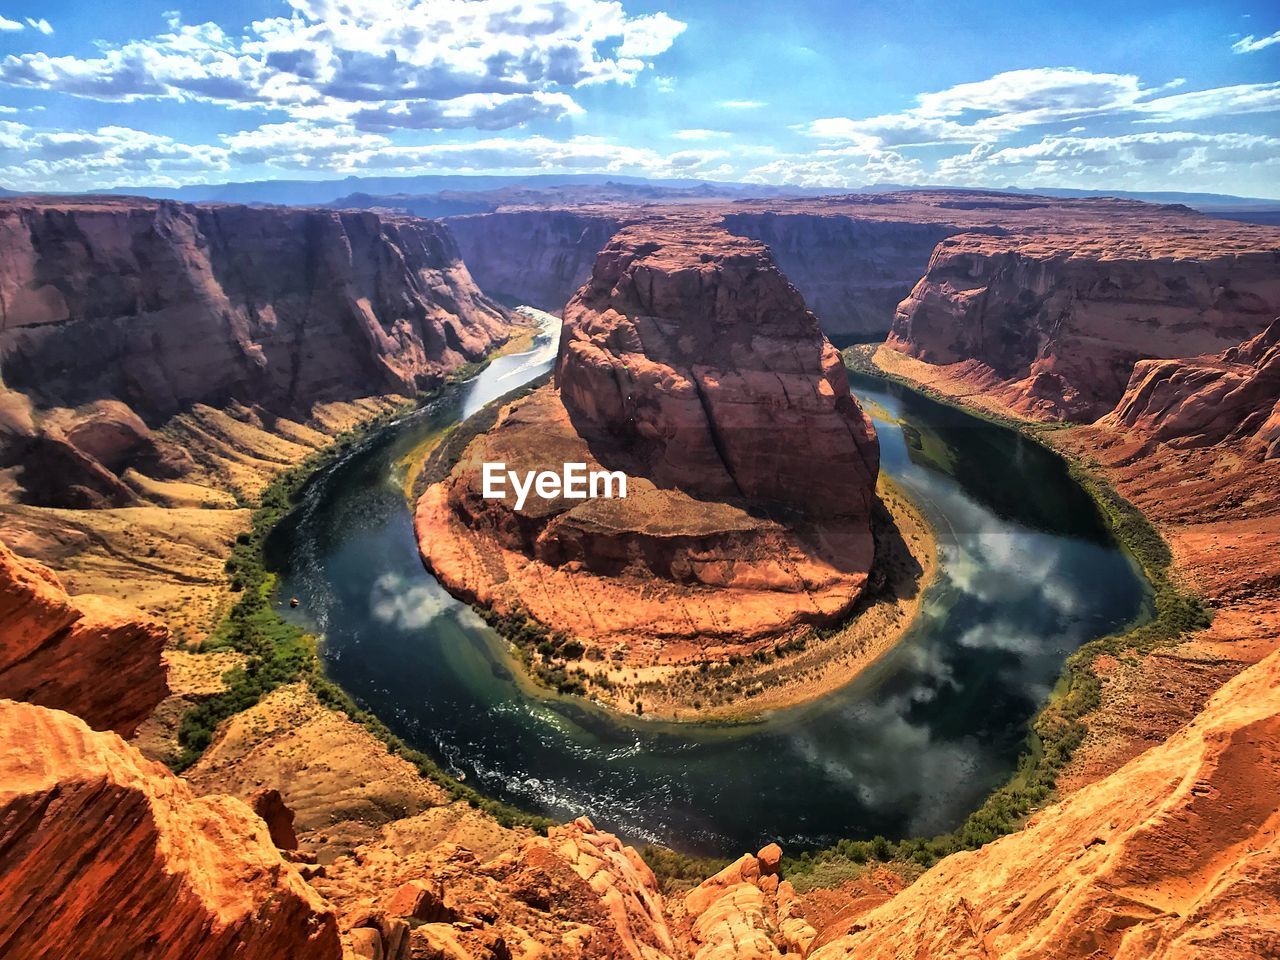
x=689, y=363
x=120, y=312
x=107, y=855
x=92, y=656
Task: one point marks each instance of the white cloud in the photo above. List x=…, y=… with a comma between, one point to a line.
x=988, y=111
x=7, y=24
x=743, y=104
x=1250, y=45
x=1133, y=159
x=1216, y=102
x=43, y=160
x=838, y=168
x=380, y=64
x=42, y=25
x=650, y=35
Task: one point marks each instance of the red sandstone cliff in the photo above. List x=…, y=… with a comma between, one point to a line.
x=852, y=271
x=1062, y=319
x=689, y=348
x=689, y=363
x=92, y=656
x=106, y=855
x=162, y=305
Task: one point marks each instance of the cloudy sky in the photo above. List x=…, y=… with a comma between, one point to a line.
x=1135, y=95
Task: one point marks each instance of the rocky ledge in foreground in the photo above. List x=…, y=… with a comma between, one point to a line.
x=108, y=855
x=691, y=364
x=94, y=656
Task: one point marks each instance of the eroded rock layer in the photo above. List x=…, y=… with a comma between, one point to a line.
x=690, y=349
x=92, y=656
x=107, y=855
x=853, y=272
x=130, y=311
x=691, y=365
x=1058, y=321
x=1201, y=401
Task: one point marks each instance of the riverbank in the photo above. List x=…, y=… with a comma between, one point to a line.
x=802, y=669
x=1087, y=695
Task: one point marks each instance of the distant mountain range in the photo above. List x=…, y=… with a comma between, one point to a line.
x=438, y=195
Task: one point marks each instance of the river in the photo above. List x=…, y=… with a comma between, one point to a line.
x=1027, y=572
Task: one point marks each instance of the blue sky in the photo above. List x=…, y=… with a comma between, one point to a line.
x=1140, y=96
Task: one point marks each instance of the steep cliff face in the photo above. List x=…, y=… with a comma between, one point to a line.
x=108, y=855
x=691, y=349
x=852, y=272
x=538, y=257
x=690, y=364
x=1063, y=319
x=1201, y=401
x=1173, y=856
x=92, y=656
x=160, y=306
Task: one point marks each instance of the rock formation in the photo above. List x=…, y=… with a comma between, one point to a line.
x=576, y=893
x=692, y=351
x=92, y=656
x=747, y=912
x=1175, y=855
x=1059, y=321
x=161, y=305
x=110, y=856
x=1202, y=401
x=689, y=363
x=538, y=257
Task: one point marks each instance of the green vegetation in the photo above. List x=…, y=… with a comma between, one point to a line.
x=276, y=652
x=678, y=872
x=1060, y=727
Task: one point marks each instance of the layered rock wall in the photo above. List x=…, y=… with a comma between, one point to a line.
x=1202, y=401
x=538, y=257
x=159, y=306
x=689, y=348
x=1063, y=319
x=852, y=272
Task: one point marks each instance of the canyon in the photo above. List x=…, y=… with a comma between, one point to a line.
x=1150, y=330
